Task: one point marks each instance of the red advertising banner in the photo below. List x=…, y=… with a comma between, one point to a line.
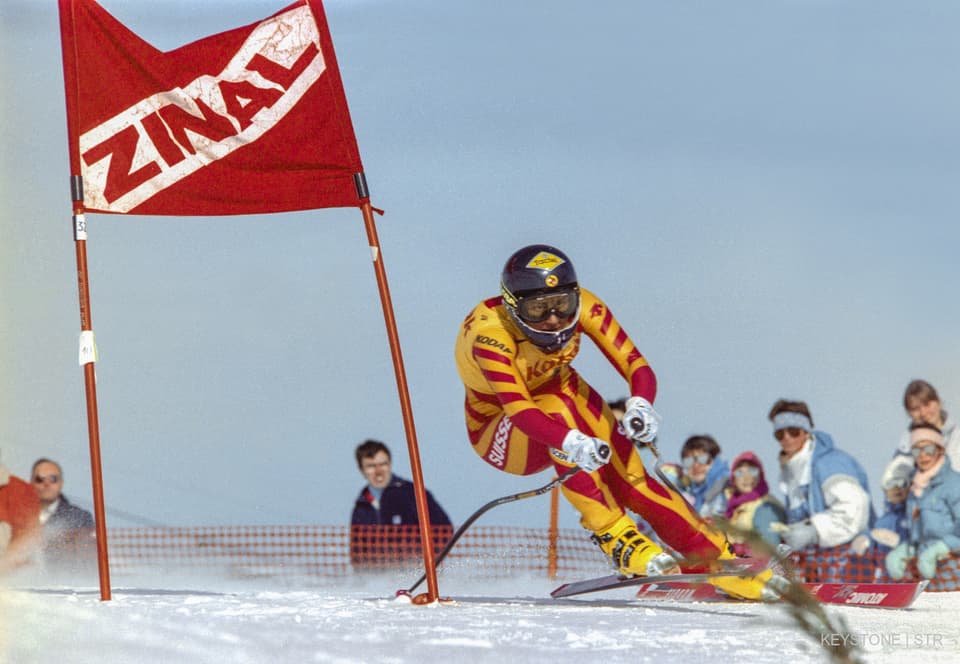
x=248, y=121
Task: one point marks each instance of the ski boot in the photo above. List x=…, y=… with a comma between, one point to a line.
x=633, y=553
x=765, y=586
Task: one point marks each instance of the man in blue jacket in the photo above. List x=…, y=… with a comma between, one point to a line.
x=387, y=500
x=827, y=495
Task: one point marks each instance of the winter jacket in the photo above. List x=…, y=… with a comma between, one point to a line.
x=375, y=542
x=709, y=498
x=829, y=487
x=398, y=507
x=68, y=536
x=935, y=515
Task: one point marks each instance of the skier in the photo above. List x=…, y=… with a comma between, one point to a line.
x=527, y=409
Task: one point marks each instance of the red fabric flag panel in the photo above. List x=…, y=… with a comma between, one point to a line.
x=248, y=121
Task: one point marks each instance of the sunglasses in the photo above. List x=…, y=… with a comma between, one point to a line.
x=538, y=308
x=899, y=483
x=697, y=457
x=929, y=449
x=46, y=479
x=792, y=431
x=746, y=471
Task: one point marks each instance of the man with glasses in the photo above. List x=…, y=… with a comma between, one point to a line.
x=68, y=530
x=827, y=494
x=528, y=410
x=19, y=525
x=384, y=518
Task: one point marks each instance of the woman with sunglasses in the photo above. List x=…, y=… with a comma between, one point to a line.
x=933, y=504
x=705, y=475
x=750, y=507
x=527, y=410
x=827, y=495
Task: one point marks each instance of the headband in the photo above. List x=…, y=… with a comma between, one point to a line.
x=926, y=435
x=787, y=419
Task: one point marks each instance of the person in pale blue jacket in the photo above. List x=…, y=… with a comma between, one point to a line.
x=705, y=475
x=827, y=493
x=933, y=503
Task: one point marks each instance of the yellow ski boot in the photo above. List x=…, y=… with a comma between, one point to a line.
x=633, y=553
x=764, y=586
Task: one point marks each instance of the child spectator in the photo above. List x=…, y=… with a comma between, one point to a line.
x=933, y=504
x=704, y=475
x=750, y=507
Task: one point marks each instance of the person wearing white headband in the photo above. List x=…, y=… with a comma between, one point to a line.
x=934, y=503
x=827, y=494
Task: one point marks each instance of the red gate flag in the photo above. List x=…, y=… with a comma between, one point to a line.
x=248, y=121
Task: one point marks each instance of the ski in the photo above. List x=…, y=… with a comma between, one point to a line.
x=872, y=595
x=737, y=567
x=618, y=581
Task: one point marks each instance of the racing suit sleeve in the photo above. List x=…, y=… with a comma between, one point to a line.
x=599, y=323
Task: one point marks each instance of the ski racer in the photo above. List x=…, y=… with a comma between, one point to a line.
x=527, y=410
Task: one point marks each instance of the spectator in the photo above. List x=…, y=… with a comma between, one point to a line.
x=893, y=526
x=750, y=507
x=19, y=522
x=705, y=475
x=386, y=500
x=934, y=505
x=922, y=404
x=826, y=489
x=68, y=534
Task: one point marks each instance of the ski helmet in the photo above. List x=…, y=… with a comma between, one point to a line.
x=537, y=281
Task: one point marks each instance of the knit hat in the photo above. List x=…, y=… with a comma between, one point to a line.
x=926, y=434
x=896, y=473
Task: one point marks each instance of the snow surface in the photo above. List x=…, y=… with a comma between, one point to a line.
x=506, y=620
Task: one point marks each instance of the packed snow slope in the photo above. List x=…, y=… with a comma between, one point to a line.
x=358, y=620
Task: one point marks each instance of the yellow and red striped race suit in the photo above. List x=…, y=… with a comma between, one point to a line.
x=522, y=401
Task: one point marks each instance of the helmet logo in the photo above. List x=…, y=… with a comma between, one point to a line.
x=545, y=261
x=551, y=280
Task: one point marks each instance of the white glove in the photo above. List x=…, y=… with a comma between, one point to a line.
x=588, y=453
x=640, y=421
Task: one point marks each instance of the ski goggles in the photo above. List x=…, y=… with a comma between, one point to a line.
x=702, y=458
x=930, y=449
x=746, y=471
x=896, y=483
x=792, y=431
x=538, y=308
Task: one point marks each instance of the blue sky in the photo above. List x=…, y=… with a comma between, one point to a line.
x=764, y=192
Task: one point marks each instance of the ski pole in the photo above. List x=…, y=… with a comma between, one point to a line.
x=476, y=515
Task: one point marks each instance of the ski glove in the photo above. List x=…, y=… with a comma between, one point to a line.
x=800, y=535
x=929, y=556
x=588, y=453
x=640, y=421
x=896, y=561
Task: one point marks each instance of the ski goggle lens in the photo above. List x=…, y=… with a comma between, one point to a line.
x=538, y=308
x=746, y=471
x=929, y=449
x=697, y=457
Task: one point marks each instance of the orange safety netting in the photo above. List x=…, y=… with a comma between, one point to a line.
x=246, y=551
